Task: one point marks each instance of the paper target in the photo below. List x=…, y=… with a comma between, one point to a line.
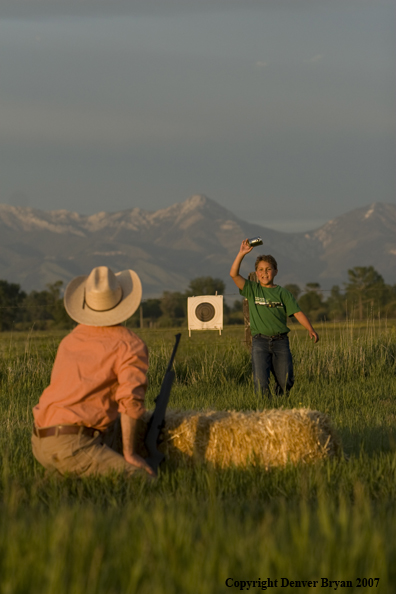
x=205, y=313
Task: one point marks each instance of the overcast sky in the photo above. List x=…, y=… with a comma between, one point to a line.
x=281, y=110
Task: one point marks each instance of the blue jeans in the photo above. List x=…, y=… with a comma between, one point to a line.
x=272, y=354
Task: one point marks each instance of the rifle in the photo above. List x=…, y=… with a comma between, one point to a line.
x=157, y=419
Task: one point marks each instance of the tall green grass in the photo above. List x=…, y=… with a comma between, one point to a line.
x=195, y=527
x=173, y=548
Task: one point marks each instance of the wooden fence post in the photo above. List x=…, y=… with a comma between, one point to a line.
x=246, y=318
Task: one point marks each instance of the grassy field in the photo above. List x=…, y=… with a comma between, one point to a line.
x=201, y=530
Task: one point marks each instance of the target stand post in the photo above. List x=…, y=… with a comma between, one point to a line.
x=205, y=312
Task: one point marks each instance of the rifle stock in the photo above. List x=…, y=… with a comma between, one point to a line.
x=157, y=419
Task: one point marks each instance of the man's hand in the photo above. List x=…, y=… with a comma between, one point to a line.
x=139, y=462
x=133, y=434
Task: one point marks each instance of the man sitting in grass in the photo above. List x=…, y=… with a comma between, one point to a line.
x=88, y=420
x=269, y=306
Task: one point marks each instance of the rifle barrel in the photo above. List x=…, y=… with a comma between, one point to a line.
x=157, y=419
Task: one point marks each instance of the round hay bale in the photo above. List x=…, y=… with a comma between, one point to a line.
x=263, y=438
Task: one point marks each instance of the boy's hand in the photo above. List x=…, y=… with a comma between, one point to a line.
x=245, y=247
x=302, y=318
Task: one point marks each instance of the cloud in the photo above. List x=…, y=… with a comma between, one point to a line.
x=261, y=64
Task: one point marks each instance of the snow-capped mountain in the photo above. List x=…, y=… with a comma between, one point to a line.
x=198, y=237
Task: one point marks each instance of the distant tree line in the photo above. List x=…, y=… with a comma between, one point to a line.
x=43, y=310
x=171, y=308
x=38, y=310
x=364, y=295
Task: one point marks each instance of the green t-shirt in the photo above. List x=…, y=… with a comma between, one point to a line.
x=268, y=308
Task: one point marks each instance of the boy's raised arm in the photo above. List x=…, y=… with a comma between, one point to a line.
x=234, y=272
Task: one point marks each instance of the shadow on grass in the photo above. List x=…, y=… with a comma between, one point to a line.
x=370, y=440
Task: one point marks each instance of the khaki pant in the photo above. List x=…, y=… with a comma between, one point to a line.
x=83, y=455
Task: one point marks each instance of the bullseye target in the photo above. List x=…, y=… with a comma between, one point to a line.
x=205, y=313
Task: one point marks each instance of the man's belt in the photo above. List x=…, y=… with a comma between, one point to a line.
x=66, y=430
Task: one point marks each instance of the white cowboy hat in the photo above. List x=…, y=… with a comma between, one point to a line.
x=103, y=298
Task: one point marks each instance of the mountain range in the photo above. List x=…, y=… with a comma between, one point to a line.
x=197, y=237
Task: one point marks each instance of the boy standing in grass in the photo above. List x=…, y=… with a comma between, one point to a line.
x=269, y=307
x=89, y=419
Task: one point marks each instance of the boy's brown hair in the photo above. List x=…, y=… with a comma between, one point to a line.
x=270, y=259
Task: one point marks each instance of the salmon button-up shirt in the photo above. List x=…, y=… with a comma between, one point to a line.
x=98, y=373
